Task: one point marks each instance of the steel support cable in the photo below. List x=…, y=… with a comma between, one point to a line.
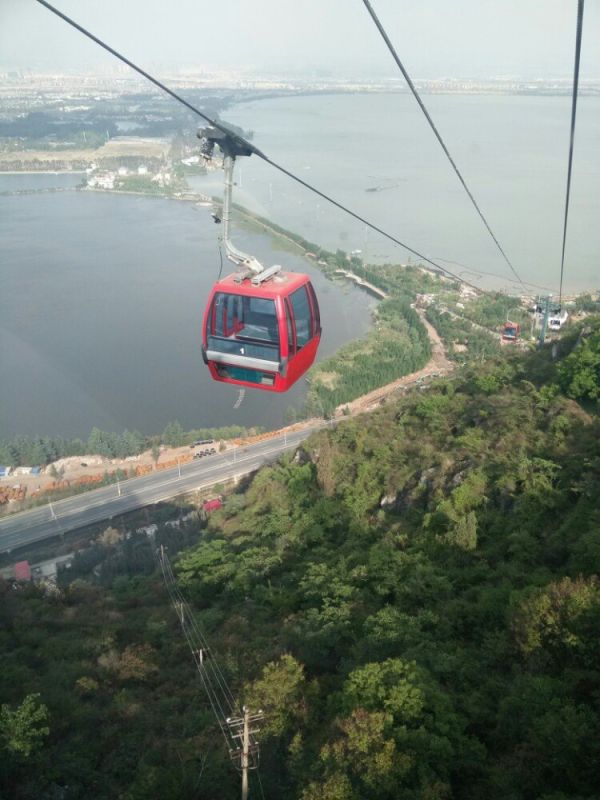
x=246, y=143
x=438, y=136
x=479, y=272
x=578, y=36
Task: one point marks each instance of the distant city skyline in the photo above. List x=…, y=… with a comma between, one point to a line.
x=468, y=39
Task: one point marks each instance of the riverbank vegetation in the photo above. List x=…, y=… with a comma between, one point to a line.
x=396, y=345
x=41, y=450
x=463, y=341
x=412, y=598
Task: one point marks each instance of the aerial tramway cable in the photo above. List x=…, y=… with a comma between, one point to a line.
x=246, y=144
x=572, y=138
x=438, y=136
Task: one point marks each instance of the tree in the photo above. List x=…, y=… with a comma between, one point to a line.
x=364, y=751
x=391, y=686
x=23, y=729
x=173, y=434
x=110, y=537
x=155, y=452
x=280, y=692
x=559, y=621
x=103, y=443
x=579, y=373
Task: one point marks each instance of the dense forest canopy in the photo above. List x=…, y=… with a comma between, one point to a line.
x=413, y=598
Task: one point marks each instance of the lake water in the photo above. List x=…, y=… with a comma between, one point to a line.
x=511, y=150
x=31, y=181
x=102, y=295
x=100, y=314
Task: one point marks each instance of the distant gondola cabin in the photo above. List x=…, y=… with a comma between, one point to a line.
x=511, y=331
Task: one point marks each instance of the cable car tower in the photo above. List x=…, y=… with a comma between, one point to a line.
x=261, y=326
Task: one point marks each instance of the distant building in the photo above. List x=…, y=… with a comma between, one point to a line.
x=467, y=292
x=142, y=170
x=24, y=471
x=102, y=180
x=162, y=178
x=22, y=571
x=149, y=530
x=123, y=172
x=5, y=472
x=45, y=571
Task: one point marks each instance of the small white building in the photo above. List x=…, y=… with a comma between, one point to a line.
x=142, y=170
x=23, y=470
x=162, y=178
x=103, y=180
x=467, y=292
x=149, y=530
x=123, y=172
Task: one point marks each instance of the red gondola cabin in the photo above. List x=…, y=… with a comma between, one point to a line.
x=263, y=335
x=511, y=331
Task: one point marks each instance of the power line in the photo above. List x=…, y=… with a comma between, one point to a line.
x=438, y=136
x=247, y=145
x=479, y=272
x=192, y=629
x=184, y=614
x=240, y=737
x=572, y=138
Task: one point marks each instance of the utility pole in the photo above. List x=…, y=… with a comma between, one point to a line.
x=247, y=753
x=545, y=321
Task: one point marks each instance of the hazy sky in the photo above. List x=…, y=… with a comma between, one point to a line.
x=435, y=38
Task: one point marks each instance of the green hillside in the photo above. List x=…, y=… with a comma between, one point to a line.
x=413, y=599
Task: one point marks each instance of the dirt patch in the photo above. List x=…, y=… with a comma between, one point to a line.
x=438, y=364
x=115, y=148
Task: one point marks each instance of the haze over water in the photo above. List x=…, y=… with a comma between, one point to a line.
x=512, y=151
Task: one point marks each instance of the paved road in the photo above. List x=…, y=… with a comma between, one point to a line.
x=75, y=512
